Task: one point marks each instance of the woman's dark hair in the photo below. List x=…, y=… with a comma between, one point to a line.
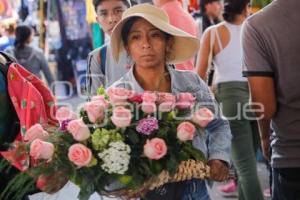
x=23, y=33
x=232, y=8
x=203, y=4
x=127, y=27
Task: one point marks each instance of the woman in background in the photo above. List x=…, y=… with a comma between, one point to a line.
x=232, y=92
x=29, y=57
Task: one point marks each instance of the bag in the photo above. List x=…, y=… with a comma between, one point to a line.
x=210, y=68
x=9, y=121
x=33, y=103
x=103, y=58
x=211, y=46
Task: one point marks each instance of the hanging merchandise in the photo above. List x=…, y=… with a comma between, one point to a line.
x=75, y=40
x=5, y=9
x=74, y=15
x=97, y=35
x=42, y=17
x=259, y=4
x=23, y=12
x=90, y=12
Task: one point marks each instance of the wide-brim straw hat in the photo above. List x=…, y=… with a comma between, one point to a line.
x=184, y=47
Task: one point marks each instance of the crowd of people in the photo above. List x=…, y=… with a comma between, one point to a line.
x=244, y=66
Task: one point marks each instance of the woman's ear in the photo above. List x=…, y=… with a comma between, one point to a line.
x=170, y=42
x=169, y=47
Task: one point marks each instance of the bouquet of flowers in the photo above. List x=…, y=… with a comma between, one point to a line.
x=122, y=143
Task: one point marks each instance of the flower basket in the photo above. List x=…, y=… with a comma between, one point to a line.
x=139, y=141
x=187, y=170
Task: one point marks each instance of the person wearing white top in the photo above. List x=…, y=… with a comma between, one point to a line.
x=232, y=92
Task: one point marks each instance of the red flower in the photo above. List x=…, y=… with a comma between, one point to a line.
x=136, y=99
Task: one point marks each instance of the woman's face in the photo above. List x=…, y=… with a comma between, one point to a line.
x=146, y=44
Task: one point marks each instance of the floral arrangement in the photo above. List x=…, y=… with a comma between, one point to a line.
x=120, y=140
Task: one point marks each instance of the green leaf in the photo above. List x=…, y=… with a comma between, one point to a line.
x=193, y=152
x=172, y=164
x=171, y=116
x=84, y=194
x=155, y=166
x=93, y=162
x=132, y=136
x=125, y=179
x=183, y=156
x=101, y=91
x=145, y=169
x=162, y=132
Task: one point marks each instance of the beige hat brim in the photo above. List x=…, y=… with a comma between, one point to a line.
x=184, y=47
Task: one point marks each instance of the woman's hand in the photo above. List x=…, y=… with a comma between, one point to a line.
x=219, y=170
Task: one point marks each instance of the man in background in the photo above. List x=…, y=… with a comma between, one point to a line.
x=271, y=62
x=102, y=69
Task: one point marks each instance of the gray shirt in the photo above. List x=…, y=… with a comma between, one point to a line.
x=271, y=45
x=113, y=70
x=33, y=60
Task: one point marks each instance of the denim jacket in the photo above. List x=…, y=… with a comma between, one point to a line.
x=216, y=142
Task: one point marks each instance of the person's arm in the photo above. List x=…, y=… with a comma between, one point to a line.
x=203, y=55
x=94, y=73
x=218, y=136
x=264, y=103
x=46, y=70
x=258, y=68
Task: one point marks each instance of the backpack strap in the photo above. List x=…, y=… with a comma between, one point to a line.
x=7, y=57
x=103, y=58
x=4, y=66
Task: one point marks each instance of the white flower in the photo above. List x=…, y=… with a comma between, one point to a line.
x=115, y=158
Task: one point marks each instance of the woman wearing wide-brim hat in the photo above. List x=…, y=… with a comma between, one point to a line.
x=154, y=45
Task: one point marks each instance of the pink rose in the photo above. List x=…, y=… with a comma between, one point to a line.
x=64, y=113
x=166, y=102
x=41, y=182
x=121, y=117
x=148, y=107
x=41, y=150
x=79, y=130
x=80, y=155
x=95, y=111
x=119, y=95
x=185, y=100
x=149, y=97
x=101, y=100
x=155, y=149
x=186, y=131
x=51, y=183
x=202, y=117
x=34, y=132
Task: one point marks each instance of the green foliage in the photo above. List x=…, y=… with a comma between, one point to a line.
x=132, y=136
x=260, y=3
x=101, y=91
x=102, y=137
x=18, y=186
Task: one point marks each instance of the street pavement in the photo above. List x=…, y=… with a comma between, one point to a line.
x=70, y=191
